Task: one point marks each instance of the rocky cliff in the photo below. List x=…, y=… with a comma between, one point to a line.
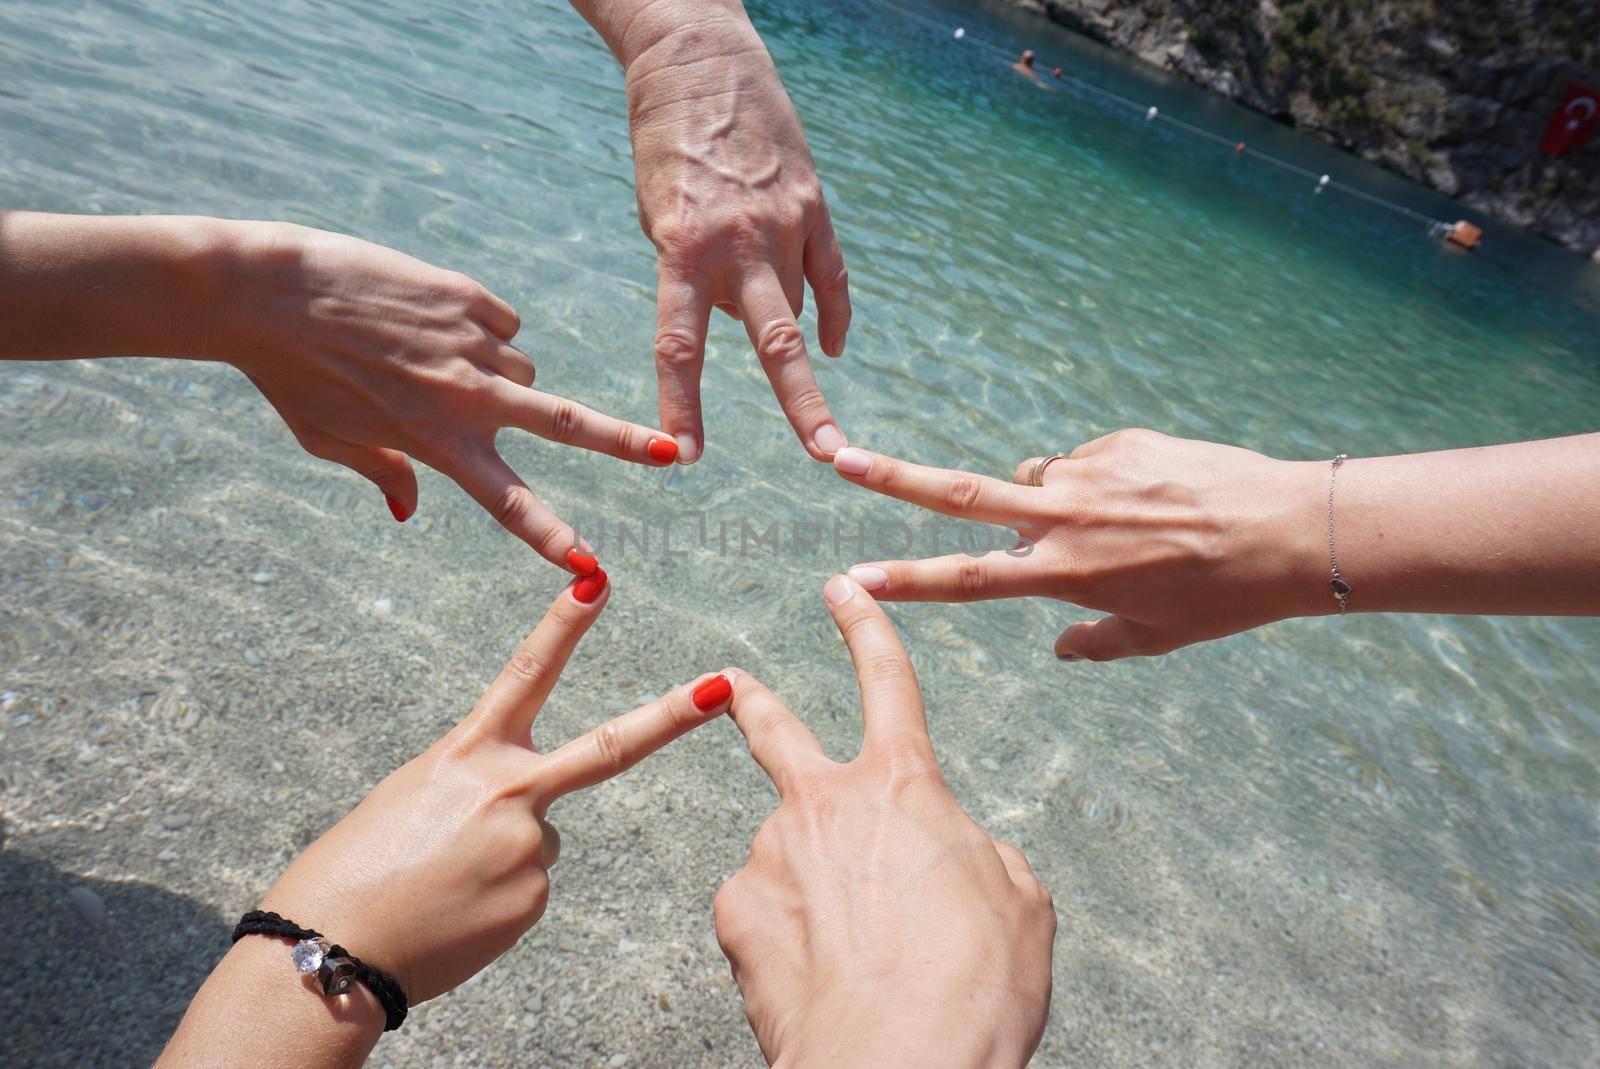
x=1452, y=93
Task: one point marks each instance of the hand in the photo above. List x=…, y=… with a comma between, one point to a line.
x=370, y=355
x=728, y=195
x=1181, y=540
x=442, y=868
x=875, y=923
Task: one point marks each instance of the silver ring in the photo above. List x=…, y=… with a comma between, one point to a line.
x=1036, y=473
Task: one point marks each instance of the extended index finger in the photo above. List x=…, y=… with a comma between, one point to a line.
x=783, y=746
x=891, y=701
x=953, y=493
x=619, y=744
x=781, y=348
x=570, y=423
x=491, y=483
x=514, y=699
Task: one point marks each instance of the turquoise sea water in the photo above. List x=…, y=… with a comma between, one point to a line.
x=1367, y=841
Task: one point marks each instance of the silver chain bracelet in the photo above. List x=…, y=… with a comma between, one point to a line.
x=1341, y=589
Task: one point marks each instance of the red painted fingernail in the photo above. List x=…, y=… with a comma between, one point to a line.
x=662, y=450
x=712, y=693
x=587, y=588
x=582, y=563
x=397, y=510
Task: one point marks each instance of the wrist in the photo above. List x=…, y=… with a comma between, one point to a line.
x=1290, y=546
x=191, y=265
x=860, y=1031
x=671, y=33
x=266, y=1014
x=233, y=273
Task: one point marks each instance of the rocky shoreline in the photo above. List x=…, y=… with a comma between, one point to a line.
x=1453, y=96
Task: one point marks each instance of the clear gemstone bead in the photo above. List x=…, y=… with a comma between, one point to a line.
x=307, y=954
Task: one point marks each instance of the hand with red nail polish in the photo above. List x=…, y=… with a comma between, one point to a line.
x=731, y=201
x=875, y=924
x=370, y=356
x=1184, y=541
x=441, y=868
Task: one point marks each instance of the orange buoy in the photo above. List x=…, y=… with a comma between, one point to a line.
x=1464, y=234
x=1239, y=147
x=1056, y=71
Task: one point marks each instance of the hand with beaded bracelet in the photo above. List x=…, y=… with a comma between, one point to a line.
x=438, y=871
x=1182, y=541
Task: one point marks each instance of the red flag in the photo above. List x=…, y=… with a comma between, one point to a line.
x=1574, y=122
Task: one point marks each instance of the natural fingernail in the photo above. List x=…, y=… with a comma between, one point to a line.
x=852, y=461
x=1068, y=657
x=588, y=587
x=397, y=510
x=869, y=577
x=582, y=563
x=662, y=450
x=688, y=448
x=712, y=693
x=828, y=439
x=838, y=590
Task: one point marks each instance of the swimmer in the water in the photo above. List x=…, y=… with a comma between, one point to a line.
x=1025, y=65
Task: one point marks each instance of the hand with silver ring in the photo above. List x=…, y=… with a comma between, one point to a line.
x=1182, y=541
x=1178, y=540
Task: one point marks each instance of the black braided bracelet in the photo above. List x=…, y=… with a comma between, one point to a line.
x=333, y=965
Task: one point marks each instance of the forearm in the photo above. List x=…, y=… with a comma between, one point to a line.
x=74, y=286
x=632, y=27
x=255, y=1010
x=1506, y=529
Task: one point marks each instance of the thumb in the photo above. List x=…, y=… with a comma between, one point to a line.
x=1112, y=638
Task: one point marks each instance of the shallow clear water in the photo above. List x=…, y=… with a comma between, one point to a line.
x=1325, y=842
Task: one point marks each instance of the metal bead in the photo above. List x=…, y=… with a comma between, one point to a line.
x=335, y=975
x=1340, y=587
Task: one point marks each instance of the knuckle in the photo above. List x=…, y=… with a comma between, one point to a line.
x=625, y=443
x=564, y=422
x=972, y=578
x=527, y=665
x=608, y=743
x=907, y=766
x=769, y=725
x=809, y=403
x=882, y=664
x=962, y=494
x=460, y=287
x=513, y=507
x=675, y=235
x=780, y=342
x=747, y=226
x=677, y=347
x=835, y=281
x=1131, y=438
x=890, y=474
x=677, y=714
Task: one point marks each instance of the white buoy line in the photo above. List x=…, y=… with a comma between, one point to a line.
x=1154, y=114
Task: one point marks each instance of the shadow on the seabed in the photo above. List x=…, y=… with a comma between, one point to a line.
x=94, y=972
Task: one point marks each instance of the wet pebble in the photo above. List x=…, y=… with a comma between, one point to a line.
x=175, y=821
